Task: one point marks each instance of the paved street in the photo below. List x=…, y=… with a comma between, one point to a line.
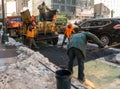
x=103, y=74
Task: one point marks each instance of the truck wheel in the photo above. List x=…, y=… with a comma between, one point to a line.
x=49, y=42
x=54, y=41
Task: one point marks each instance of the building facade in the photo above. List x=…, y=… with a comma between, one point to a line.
x=85, y=8
x=76, y=8
x=20, y=4
x=107, y=8
x=65, y=6
x=1, y=8
x=79, y=8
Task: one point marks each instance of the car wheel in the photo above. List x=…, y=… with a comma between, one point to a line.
x=106, y=39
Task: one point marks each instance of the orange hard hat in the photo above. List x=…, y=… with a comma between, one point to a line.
x=70, y=25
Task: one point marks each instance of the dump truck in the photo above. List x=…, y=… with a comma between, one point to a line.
x=49, y=34
x=13, y=25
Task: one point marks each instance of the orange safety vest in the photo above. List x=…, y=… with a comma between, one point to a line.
x=54, y=18
x=68, y=32
x=31, y=34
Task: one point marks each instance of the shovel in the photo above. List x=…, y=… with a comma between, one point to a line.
x=102, y=49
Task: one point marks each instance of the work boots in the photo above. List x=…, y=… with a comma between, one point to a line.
x=87, y=83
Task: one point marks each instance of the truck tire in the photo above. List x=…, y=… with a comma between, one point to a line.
x=55, y=41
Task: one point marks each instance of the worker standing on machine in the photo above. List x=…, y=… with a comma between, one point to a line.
x=42, y=16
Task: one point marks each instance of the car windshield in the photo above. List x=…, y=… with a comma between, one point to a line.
x=119, y=20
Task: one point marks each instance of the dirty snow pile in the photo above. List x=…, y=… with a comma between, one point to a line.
x=12, y=42
x=29, y=72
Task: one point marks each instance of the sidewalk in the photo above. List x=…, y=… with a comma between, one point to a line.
x=102, y=74
x=7, y=54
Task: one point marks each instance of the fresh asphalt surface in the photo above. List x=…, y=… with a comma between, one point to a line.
x=59, y=57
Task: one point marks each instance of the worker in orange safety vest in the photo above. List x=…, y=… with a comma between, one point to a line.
x=54, y=18
x=68, y=32
x=31, y=35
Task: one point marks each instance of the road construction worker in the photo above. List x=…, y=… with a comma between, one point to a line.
x=54, y=18
x=42, y=10
x=68, y=32
x=32, y=20
x=31, y=35
x=77, y=49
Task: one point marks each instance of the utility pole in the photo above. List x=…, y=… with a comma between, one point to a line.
x=4, y=35
x=3, y=13
x=101, y=8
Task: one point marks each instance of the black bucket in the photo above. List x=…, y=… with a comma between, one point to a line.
x=63, y=78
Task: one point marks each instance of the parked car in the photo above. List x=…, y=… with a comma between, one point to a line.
x=104, y=28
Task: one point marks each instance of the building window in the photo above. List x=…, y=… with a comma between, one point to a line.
x=73, y=2
x=62, y=8
x=70, y=9
x=62, y=1
x=55, y=1
x=55, y=6
x=58, y=1
x=68, y=1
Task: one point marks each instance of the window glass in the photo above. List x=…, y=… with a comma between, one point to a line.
x=94, y=23
x=55, y=1
x=62, y=8
x=62, y=1
x=73, y=2
x=86, y=24
x=70, y=8
x=106, y=22
x=100, y=23
x=55, y=6
x=119, y=20
x=68, y=1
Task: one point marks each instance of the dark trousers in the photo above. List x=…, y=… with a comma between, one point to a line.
x=32, y=42
x=65, y=37
x=76, y=53
x=42, y=17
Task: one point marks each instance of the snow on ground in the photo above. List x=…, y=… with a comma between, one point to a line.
x=29, y=71
x=12, y=42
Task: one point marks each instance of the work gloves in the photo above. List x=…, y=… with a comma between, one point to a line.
x=101, y=45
